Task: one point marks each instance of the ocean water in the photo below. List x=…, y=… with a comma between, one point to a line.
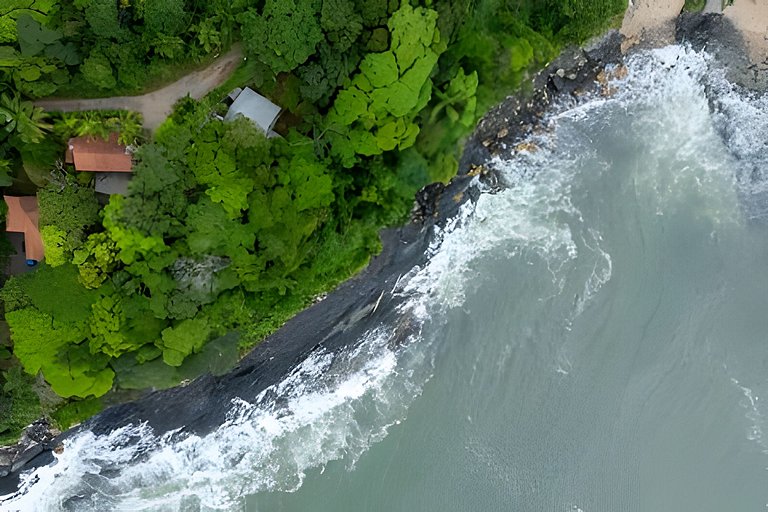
x=593, y=338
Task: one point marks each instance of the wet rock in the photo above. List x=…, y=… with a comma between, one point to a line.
x=476, y=170
x=526, y=146
x=608, y=75
x=34, y=441
x=39, y=432
x=427, y=200
x=605, y=49
x=573, y=74
x=721, y=39
x=7, y=455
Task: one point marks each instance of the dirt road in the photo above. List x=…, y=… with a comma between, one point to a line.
x=155, y=106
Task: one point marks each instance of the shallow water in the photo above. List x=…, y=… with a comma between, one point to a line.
x=594, y=338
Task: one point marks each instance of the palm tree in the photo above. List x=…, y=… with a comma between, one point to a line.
x=129, y=125
x=22, y=118
x=92, y=123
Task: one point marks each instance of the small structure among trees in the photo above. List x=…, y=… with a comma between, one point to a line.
x=110, y=160
x=23, y=216
x=254, y=106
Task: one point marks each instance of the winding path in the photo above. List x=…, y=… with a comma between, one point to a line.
x=156, y=105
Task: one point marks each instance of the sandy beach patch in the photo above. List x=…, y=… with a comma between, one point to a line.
x=650, y=22
x=751, y=18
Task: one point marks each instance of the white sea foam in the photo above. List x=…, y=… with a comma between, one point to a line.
x=333, y=406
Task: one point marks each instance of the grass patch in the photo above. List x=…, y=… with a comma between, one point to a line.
x=76, y=412
x=694, y=5
x=248, y=73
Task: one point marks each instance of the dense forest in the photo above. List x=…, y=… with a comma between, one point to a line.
x=224, y=233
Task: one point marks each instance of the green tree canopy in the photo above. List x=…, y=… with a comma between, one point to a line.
x=71, y=208
x=97, y=70
x=165, y=16
x=341, y=23
x=284, y=35
x=377, y=112
x=182, y=340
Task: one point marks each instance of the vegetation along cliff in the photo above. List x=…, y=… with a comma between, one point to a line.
x=223, y=229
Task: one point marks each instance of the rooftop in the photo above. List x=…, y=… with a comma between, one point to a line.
x=255, y=107
x=23, y=216
x=98, y=155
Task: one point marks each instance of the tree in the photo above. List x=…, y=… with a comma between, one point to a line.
x=130, y=62
x=373, y=12
x=6, y=173
x=286, y=218
x=168, y=47
x=157, y=199
x=182, y=340
x=377, y=112
x=57, y=292
x=341, y=23
x=72, y=209
x=322, y=76
x=208, y=35
x=100, y=123
x=23, y=119
x=55, y=243
x=8, y=32
x=97, y=70
x=213, y=232
x=13, y=294
x=80, y=373
x=165, y=17
x=96, y=259
x=38, y=339
x=460, y=94
x=284, y=35
x=33, y=36
x=13, y=10
x=217, y=170
x=19, y=404
x=103, y=19
x=105, y=326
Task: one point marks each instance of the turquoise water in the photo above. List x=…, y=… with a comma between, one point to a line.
x=593, y=338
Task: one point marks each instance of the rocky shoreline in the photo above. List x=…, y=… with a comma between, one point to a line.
x=364, y=302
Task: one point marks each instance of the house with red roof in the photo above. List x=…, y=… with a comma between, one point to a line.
x=22, y=219
x=111, y=161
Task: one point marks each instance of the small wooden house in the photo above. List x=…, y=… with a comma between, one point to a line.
x=252, y=105
x=108, y=159
x=23, y=216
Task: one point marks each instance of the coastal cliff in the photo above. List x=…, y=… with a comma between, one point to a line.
x=366, y=301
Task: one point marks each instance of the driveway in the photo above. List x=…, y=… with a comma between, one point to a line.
x=156, y=106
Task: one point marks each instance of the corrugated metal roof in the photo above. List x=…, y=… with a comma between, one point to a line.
x=98, y=155
x=255, y=107
x=23, y=216
x=112, y=183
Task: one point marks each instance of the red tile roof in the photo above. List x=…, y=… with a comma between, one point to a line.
x=23, y=217
x=99, y=155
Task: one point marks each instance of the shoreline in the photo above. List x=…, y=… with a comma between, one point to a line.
x=363, y=302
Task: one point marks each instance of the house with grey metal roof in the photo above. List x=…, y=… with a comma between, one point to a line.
x=254, y=106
